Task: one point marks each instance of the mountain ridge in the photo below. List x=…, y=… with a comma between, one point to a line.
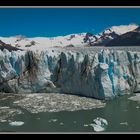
x=75, y=40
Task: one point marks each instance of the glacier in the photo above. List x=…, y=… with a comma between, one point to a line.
x=100, y=74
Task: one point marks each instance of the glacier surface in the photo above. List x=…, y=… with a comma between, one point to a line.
x=100, y=74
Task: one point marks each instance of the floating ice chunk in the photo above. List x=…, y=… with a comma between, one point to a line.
x=38, y=118
x=52, y=110
x=53, y=120
x=4, y=107
x=124, y=123
x=16, y=102
x=137, y=107
x=135, y=98
x=3, y=121
x=16, y=123
x=61, y=123
x=100, y=121
x=99, y=124
x=97, y=128
x=86, y=125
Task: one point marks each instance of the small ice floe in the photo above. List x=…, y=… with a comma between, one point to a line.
x=38, y=118
x=97, y=128
x=16, y=123
x=61, y=123
x=99, y=124
x=135, y=98
x=74, y=122
x=4, y=107
x=52, y=110
x=137, y=107
x=16, y=102
x=124, y=123
x=86, y=125
x=2, y=121
x=53, y=120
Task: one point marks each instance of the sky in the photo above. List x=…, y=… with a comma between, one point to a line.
x=51, y=22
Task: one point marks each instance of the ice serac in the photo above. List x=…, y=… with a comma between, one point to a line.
x=103, y=74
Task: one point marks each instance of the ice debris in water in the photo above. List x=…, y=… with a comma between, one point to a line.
x=53, y=120
x=56, y=102
x=16, y=123
x=7, y=113
x=86, y=125
x=124, y=123
x=99, y=124
x=61, y=123
x=4, y=107
x=135, y=98
x=2, y=121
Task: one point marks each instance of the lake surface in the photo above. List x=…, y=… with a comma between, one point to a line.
x=122, y=115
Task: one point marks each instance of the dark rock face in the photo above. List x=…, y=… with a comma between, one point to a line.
x=100, y=39
x=103, y=40
x=7, y=46
x=128, y=39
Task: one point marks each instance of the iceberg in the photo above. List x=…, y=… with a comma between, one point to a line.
x=99, y=124
x=16, y=123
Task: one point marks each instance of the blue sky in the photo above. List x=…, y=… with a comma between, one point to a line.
x=62, y=21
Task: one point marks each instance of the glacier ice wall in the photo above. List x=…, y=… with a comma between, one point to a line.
x=99, y=74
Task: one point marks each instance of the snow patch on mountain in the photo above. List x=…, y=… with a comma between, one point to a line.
x=122, y=29
x=40, y=43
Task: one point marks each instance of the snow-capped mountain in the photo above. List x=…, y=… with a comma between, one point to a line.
x=108, y=34
x=131, y=38
x=43, y=42
x=72, y=40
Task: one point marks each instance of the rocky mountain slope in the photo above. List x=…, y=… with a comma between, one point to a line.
x=109, y=34
x=131, y=38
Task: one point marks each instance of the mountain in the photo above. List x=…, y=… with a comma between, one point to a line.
x=131, y=38
x=109, y=34
x=72, y=40
x=45, y=42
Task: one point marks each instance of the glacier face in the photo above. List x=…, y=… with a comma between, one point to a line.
x=99, y=74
